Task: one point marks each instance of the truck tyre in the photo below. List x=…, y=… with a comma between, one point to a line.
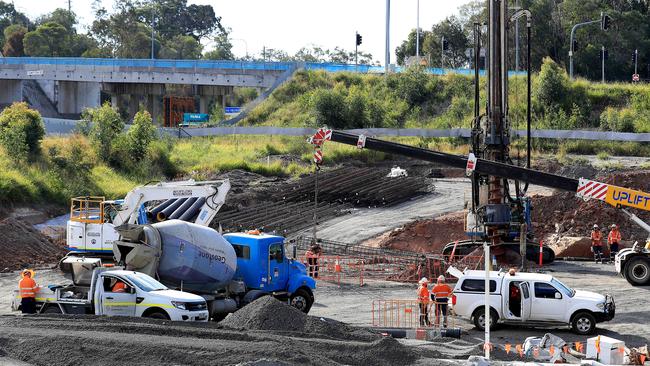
x=479, y=318
x=52, y=310
x=157, y=315
x=637, y=271
x=583, y=323
x=302, y=300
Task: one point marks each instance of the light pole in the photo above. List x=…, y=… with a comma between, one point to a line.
x=573, y=31
x=417, y=34
x=387, y=62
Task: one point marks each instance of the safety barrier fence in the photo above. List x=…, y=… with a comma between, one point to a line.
x=356, y=268
x=411, y=314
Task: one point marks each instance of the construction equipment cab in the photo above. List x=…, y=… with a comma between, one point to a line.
x=109, y=291
x=91, y=228
x=531, y=299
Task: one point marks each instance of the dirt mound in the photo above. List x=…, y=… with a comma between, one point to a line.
x=426, y=236
x=23, y=246
x=268, y=313
x=566, y=215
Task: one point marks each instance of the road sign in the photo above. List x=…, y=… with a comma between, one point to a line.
x=471, y=164
x=635, y=77
x=232, y=110
x=318, y=156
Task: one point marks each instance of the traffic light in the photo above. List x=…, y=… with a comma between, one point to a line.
x=359, y=39
x=604, y=22
x=445, y=44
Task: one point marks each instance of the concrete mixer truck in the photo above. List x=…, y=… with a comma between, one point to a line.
x=228, y=271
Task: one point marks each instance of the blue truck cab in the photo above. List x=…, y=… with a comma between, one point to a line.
x=265, y=269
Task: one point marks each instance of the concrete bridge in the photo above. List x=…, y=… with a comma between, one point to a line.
x=64, y=87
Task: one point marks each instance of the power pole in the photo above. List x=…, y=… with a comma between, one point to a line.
x=387, y=62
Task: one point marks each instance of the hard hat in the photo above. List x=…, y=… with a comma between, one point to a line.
x=27, y=271
x=441, y=278
x=595, y=226
x=424, y=280
x=614, y=226
x=512, y=271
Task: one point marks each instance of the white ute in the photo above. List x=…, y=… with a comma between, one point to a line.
x=544, y=301
x=91, y=293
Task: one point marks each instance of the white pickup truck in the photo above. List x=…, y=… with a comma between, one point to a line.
x=532, y=299
x=93, y=292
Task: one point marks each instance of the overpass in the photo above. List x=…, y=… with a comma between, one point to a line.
x=64, y=87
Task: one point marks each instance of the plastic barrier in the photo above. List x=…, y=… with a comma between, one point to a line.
x=334, y=268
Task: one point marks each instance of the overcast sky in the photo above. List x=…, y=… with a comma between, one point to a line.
x=292, y=24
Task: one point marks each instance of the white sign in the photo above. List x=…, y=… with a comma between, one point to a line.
x=635, y=77
x=35, y=73
x=471, y=164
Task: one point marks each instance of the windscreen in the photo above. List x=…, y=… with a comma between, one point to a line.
x=146, y=283
x=566, y=289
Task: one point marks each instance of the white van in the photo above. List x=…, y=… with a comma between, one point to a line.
x=532, y=299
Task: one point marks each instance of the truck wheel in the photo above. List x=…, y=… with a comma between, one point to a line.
x=157, y=315
x=583, y=323
x=479, y=318
x=302, y=300
x=638, y=271
x=52, y=310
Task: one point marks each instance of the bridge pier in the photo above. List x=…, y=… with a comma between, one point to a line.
x=11, y=91
x=75, y=96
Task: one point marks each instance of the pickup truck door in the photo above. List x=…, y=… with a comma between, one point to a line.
x=117, y=303
x=548, y=302
x=526, y=300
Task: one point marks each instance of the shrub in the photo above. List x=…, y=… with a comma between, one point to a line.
x=329, y=108
x=552, y=87
x=140, y=135
x=106, y=126
x=21, y=130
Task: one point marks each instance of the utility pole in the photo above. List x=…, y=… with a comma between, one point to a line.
x=417, y=34
x=602, y=56
x=69, y=6
x=387, y=62
x=636, y=60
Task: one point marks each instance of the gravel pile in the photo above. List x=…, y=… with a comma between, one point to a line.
x=23, y=246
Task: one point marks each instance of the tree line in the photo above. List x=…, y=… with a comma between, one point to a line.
x=551, y=30
x=180, y=31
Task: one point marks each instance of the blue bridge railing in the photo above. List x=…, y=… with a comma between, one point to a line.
x=218, y=64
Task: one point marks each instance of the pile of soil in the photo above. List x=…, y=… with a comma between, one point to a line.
x=268, y=313
x=566, y=215
x=425, y=236
x=23, y=246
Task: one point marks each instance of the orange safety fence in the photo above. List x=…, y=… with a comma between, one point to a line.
x=341, y=268
x=411, y=314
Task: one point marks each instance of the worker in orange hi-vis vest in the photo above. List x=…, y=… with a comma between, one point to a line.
x=613, y=239
x=423, y=302
x=28, y=289
x=441, y=292
x=597, y=244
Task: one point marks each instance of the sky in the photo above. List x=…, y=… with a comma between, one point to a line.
x=292, y=24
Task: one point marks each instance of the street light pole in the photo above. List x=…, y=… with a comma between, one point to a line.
x=387, y=62
x=417, y=34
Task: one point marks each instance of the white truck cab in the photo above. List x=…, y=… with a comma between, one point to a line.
x=532, y=299
x=95, y=291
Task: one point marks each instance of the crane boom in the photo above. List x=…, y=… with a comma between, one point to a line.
x=583, y=188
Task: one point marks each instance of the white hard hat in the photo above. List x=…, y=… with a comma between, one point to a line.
x=614, y=226
x=595, y=226
x=441, y=278
x=424, y=280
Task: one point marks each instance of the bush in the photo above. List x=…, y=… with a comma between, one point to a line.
x=552, y=87
x=21, y=130
x=140, y=135
x=106, y=126
x=329, y=108
x=617, y=120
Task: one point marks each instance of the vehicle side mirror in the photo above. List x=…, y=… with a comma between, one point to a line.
x=558, y=295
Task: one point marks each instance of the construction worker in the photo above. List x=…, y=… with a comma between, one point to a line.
x=312, y=254
x=28, y=289
x=119, y=286
x=423, y=302
x=441, y=293
x=613, y=240
x=597, y=243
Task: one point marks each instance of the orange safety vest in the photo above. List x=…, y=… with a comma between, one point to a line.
x=423, y=294
x=596, y=237
x=441, y=291
x=119, y=287
x=27, y=287
x=614, y=236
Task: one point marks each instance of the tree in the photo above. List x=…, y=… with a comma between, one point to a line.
x=452, y=31
x=21, y=130
x=182, y=47
x=222, y=47
x=140, y=135
x=407, y=48
x=14, y=35
x=552, y=87
x=8, y=16
x=49, y=39
x=107, y=125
